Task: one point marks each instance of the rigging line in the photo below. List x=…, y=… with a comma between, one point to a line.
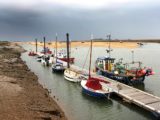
x=86, y=58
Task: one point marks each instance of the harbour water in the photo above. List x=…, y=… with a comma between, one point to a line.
x=78, y=106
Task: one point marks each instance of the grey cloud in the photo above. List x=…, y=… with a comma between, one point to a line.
x=46, y=20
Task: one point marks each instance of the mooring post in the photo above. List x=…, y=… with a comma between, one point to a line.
x=67, y=35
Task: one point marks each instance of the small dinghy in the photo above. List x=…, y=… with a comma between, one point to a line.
x=69, y=74
x=72, y=76
x=58, y=67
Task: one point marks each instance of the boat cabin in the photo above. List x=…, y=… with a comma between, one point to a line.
x=106, y=63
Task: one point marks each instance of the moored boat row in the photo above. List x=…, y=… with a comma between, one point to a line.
x=105, y=66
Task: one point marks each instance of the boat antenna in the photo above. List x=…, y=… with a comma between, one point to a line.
x=132, y=57
x=109, y=46
x=44, y=39
x=56, y=46
x=90, y=57
x=36, y=44
x=67, y=35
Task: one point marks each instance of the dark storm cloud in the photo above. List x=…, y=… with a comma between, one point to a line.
x=122, y=23
x=17, y=23
x=46, y=20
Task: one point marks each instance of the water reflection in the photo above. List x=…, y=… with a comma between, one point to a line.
x=133, y=108
x=140, y=86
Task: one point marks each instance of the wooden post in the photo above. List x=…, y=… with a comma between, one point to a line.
x=67, y=35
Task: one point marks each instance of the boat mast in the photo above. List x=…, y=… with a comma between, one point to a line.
x=44, y=39
x=109, y=46
x=56, y=46
x=132, y=57
x=90, y=57
x=67, y=42
x=109, y=52
x=36, y=44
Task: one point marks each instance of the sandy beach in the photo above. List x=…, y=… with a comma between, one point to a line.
x=86, y=44
x=21, y=96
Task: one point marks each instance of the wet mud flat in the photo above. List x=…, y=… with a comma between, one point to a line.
x=21, y=96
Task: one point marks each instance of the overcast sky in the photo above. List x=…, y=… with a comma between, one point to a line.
x=24, y=20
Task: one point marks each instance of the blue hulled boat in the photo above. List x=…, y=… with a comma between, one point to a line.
x=121, y=72
x=128, y=73
x=96, y=88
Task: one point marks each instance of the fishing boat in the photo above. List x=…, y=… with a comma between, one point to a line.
x=62, y=55
x=69, y=74
x=128, y=73
x=94, y=86
x=46, y=50
x=57, y=66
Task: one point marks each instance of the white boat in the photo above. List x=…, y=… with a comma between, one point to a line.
x=45, y=60
x=39, y=58
x=51, y=59
x=69, y=74
x=72, y=76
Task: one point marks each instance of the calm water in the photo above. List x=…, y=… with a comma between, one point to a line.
x=78, y=106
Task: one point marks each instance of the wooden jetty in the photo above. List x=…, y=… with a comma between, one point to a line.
x=138, y=97
x=130, y=94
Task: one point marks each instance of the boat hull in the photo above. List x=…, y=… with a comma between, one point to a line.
x=93, y=93
x=71, y=60
x=32, y=54
x=71, y=76
x=38, y=60
x=123, y=79
x=57, y=70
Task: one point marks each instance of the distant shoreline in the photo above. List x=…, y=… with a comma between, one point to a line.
x=87, y=44
x=119, y=40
